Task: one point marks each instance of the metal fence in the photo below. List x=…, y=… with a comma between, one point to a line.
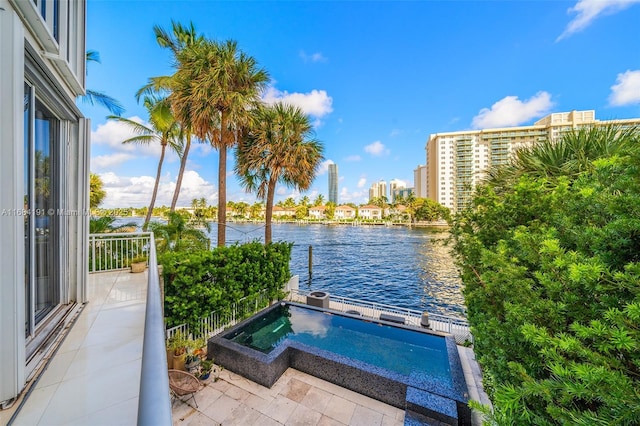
x=113, y=251
x=219, y=320
x=457, y=327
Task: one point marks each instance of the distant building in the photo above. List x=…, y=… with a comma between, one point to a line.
x=420, y=182
x=345, y=212
x=394, y=185
x=283, y=212
x=317, y=212
x=457, y=161
x=402, y=193
x=378, y=189
x=333, y=183
x=370, y=212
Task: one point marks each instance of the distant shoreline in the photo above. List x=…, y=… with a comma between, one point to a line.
x=437, y=225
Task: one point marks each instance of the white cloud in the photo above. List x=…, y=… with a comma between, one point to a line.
x=376, y=149
x=362, y=182
x=135, y=191
x=316, y=103
x=353, y=197
x=314, y=57
x=395, y=132
x=324, y=167
x=626, y=91
x=112, y=133
x=511, y=111
x=353, y=158
x=102, y=162
x=588, y=10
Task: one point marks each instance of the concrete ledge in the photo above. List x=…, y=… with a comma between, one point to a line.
x=392, y=318
x=430, y=405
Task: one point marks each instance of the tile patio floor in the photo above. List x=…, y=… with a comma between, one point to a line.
x=296, y=399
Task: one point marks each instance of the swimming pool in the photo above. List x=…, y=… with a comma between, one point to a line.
x=407, y=368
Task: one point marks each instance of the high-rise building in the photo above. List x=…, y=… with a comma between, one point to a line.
x=378, y=189
x=44, y=140
x=457, y=161
x=394, y=185
x=333, y=183
x=420, y=182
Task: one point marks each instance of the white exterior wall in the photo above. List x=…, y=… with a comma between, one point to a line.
x=55, y=69
x=420, y=181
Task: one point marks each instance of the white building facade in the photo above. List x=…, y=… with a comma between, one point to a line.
x=420, y=181
x=44, y=175
x=457, y=161
x=378, y=189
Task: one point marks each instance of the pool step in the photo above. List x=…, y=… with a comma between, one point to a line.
x=432, y=406
x=412, y=418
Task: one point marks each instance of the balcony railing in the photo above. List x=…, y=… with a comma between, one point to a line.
x=154, y=403
x=113, y=251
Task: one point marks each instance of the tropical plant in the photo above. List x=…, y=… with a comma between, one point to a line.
x=550, y=264
x=94, y=97
x=163, y=129
x=179, y=39
x=107, y=224
x=218, y=86
x=319, y=200
x=96, y=191
x=278, y=149
x=180, y=234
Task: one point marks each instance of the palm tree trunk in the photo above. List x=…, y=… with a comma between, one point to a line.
x=155, y=189
x=222, y=185
x=183, y=163
x=269, y=210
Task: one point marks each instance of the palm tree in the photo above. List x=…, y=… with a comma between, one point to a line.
x=94, y=97
x=219, y=86
x=569, y=156
x=179, y=39
x=304, y=201
x=163, y=130
x=319, y=201
x=279, y=148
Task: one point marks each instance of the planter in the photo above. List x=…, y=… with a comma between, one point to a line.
x=170, y=359
x=178, y=362
x=138, y=267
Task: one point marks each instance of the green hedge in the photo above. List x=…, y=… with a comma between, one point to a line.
x=200, y=282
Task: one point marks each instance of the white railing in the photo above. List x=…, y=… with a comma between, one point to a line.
x=457, y=327
x=113, y=251
x=219, y=320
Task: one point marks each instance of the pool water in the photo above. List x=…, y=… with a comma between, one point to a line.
x=396, y=349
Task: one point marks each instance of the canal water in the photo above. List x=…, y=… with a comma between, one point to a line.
x=400, y=266
x=407, y=267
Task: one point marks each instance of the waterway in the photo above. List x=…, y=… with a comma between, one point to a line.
x=397, y=265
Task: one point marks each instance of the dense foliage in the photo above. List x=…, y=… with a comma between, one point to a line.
x=551, y=268
x=197, y=283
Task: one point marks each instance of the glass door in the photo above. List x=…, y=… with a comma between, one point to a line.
x=42, y=284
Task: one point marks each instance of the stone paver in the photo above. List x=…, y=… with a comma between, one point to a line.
x=296, y=399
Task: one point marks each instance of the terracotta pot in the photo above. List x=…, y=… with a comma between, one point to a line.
x=178, y=362
x=170, y=358
x=138, y=267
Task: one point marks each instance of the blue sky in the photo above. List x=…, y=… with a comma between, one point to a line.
x=377, y=78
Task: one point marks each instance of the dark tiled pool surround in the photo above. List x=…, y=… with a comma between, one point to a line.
x=423, y=395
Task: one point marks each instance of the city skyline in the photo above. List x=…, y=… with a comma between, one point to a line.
x=375, y=87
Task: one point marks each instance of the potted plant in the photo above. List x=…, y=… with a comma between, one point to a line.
x=177, y=351
x=138, y=264
x=205, y=369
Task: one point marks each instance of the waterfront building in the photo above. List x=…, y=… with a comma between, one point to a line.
x=317, y=212
x=420, y=181
x=283, y=212
x=394, y=185
x=402, y=193
x=333, y=183
x=370, y=212
x=457, y=161
x=44, y=169
x=378, y=190
x=345, y=212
